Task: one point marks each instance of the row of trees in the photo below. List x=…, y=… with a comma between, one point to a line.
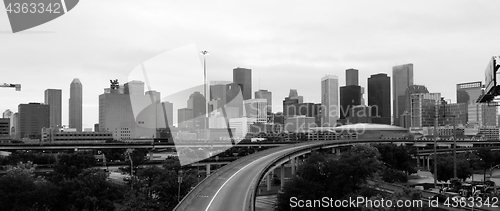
x=76, y=185
x=340, y=178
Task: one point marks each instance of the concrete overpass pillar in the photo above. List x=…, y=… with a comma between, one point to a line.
x=282, y=175
x=337, y=151
x=208, y=169
x=428, y=163
x=268, y=180
x=293, y=165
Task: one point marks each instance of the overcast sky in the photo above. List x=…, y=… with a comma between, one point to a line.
x=287, y=44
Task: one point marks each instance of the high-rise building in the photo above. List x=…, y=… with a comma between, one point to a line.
x=129, y=116
x=53, y=98
x=32, y=118
x=330, y=100
x=423, y=109
x=405, y=100
x=156, y=95
x=134, y=88
x=290, y=102
x=169, y=111
x=402, y=78
x=185, y=118
x=379, y=98
x=448, y=111
x=7, y=114
x=349, y=96
x=75, y=105
x=469, y=92
x=197, y=102
x=14, y=124
x=243, y=77
x=257, y=109
x=482, y=115
x=351, y=77
x=264, y=94
x=4, y=127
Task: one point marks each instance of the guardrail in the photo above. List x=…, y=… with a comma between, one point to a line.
x=186, y=201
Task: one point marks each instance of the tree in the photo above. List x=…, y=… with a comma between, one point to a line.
x=325, y=175
x=398, y=157
x=71, y=165
x=445, y=168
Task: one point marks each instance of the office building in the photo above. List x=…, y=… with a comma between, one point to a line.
x=402, y=78
x=297, y=124
x=423, y=109
x=4, y=127
x=32, y=118
x=350, y=96
x=75, y=105
x=448, y=111
x=7, y=114
x=351, y=77
x=469, y=92
x=129, y=116
x=134, y=88
x=13, y=125
x=168, y=108
x=360, y=114
x=482, y=115
x=185, y=118
x=290, y=102
x=197, y=102
x=53, y=98
x=379, y=98
x=243, y=77
x=264, y=94
x=241, y=126
x=330, y=100
x=257, y=109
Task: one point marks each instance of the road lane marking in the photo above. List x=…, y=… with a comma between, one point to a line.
x=222, y=186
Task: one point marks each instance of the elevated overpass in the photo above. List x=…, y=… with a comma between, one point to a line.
x=234, y=186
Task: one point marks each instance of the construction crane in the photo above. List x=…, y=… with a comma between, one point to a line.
x=6, y=85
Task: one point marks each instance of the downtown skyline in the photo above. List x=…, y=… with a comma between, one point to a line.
x=448, y=42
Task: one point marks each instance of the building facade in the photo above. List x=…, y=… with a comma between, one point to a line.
x=265, y=94
x=32, y=118
x=402, y=78
x=329, y=100
x=379, y=98
x=75, y=104
x=423, y=109
x=243, y=77
x=53, y=98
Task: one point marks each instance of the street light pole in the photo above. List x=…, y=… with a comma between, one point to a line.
x=454, y=139
x=179, y=177
x=436, y=108
x=205, y=53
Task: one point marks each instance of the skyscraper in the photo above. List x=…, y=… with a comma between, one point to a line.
x=468, y=92
x=290, y=103
x=243, y=77
x=7, y=114
x=423, y=109
x=351, y=77
x=53, y=98
x=330, y=100
x=169, y=110
x=402, y=77
x=351, y=94
x=197, y=102
x=264, y=94
x=379, y=98
x=134, y=87
x=32, y=118
x=256, y=108
x=75, y=105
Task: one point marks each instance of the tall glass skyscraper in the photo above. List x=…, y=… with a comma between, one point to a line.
x=402, y=78
x=53, y=98
x=75, y=105
x=379, y=98
x=330, y=100
x=243, y=77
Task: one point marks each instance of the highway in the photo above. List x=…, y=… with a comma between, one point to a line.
x=232, y=187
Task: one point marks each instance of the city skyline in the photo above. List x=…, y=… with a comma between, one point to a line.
x=285, y=52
